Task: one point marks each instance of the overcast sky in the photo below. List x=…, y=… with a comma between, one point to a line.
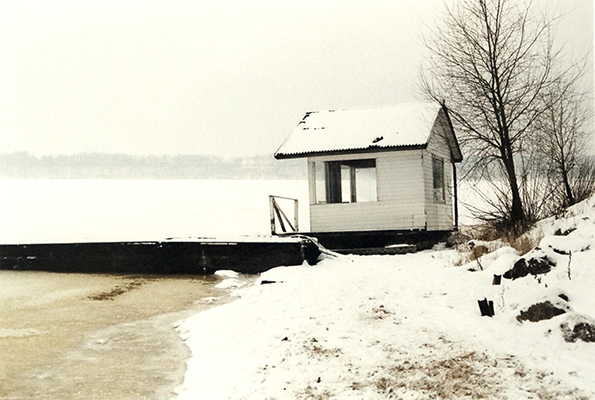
x=228, y=78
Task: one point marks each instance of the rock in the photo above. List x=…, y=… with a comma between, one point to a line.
x=312, y=251
x=578, y=327
x=563, y=297
x=534, y=263
x=565, y=233
x=539, y=312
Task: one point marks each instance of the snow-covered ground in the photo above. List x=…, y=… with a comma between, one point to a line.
x=403, y=327
x=351, y=327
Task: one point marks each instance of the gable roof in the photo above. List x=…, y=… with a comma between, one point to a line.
x=406, y=125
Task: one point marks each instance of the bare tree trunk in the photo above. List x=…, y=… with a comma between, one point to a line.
x=517, y=212
x=567, y=188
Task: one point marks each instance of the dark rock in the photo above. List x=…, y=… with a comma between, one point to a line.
x=539, y=312
x=562, y=252
x=312, y=251
x=486, y=307
x=267, y=282
x=530, y=264
x=563, y=297
x=580, y=328
x=565, y=233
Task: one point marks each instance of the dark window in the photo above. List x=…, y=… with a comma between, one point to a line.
x=438, y=175
x=345, y=181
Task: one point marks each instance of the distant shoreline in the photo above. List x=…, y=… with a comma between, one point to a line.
x=22, y=165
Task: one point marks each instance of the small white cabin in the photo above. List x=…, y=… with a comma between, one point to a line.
x=379, y=169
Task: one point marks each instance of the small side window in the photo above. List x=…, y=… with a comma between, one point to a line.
x=438, y=178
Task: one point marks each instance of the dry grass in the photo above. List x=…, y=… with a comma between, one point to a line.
x=453, y=378
x=524, y=243
x=315, y=349
x=458, y=374
x=469, y=252
x=313, y=393
x=478, y=251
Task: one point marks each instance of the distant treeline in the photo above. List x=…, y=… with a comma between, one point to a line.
x=22, y=165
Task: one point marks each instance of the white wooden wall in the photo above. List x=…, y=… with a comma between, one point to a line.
x=401, y=194
x=440, y=215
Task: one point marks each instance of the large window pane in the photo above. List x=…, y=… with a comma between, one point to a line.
x=365, y=183
x=346, y=188
x=345, y=181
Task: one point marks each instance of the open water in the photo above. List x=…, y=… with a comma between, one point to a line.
x=82, y=336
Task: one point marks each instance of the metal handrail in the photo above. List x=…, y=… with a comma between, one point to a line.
x=277, y=215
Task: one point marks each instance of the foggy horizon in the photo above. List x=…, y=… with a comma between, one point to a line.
x=215, y=78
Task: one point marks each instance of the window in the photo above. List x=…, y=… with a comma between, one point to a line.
x=438, y=178
x=319, y=177
x=345, y=181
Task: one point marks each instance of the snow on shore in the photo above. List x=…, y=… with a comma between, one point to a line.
x=403, y=327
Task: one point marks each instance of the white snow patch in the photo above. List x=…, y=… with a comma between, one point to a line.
x=232, y=283
x=224, y=273
x=209, y=299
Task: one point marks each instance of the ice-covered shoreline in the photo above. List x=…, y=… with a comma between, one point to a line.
x=89, y=336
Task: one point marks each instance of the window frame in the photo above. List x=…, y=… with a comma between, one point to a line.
x=438, y=180
x=336, y=172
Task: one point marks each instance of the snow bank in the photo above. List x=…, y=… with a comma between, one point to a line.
x=403, y=326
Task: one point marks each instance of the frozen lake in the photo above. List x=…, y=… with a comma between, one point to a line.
x=37, y=211
x=68, y=335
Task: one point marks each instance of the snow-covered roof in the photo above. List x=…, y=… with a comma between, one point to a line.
x=357, y=129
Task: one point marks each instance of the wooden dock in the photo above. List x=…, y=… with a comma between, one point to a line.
x=378, y=242
x=174, y=256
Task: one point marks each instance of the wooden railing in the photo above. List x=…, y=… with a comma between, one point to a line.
x=279, y=217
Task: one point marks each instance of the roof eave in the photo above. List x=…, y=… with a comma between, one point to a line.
x=457, y=154
x=371, y=149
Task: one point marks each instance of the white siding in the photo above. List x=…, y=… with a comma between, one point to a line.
x=401, y=193
x=440, y=215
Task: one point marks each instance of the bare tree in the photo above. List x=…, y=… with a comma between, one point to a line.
x=491, y=61
x=583, y=178
x=563, y=134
